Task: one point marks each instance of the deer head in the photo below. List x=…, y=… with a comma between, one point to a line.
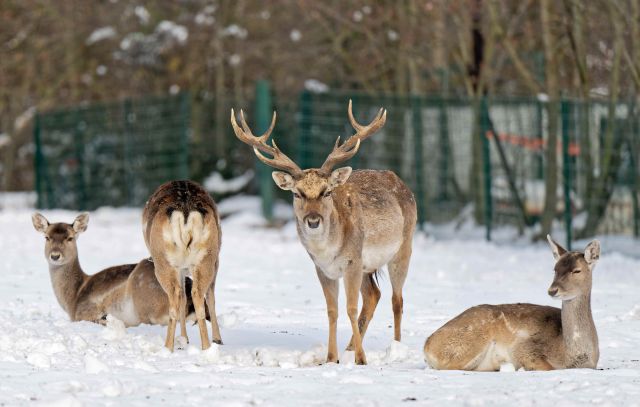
x=311, y=188
x=60, y=238
x=572, y=270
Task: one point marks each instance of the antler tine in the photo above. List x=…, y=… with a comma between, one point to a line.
x=350, y=147
x=259, y=144
x=265, y=136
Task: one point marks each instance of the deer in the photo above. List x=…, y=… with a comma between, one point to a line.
x=129, y=292
x=351, y=223
x=529, y=336
x=181, y=229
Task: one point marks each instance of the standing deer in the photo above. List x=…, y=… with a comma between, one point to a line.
x=534, y=337
x=129, y=292
x=350, y=223
x=182, y=232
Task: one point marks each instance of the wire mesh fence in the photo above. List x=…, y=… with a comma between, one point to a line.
x=489, y=154
x=596, y=148
x=110, y=154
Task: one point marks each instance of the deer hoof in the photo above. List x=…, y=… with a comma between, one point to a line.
x=361, y=359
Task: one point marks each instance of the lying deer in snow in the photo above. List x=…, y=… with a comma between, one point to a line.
x=129, y=292
x=533, y=337
x=351, y=224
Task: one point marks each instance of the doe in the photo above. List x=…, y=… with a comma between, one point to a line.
x=534, y=337
x=129, y=292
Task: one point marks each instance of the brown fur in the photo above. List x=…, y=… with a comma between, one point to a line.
x=366, y=210
x=533, y=337
x=350, y=224
x=182, y=231
x=129, y=292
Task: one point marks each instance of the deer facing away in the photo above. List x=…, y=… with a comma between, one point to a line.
x=351, y=223
x=129, y=292
x=182, y=232
x=533, y=337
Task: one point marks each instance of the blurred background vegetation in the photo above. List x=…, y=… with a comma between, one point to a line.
x=70, y=53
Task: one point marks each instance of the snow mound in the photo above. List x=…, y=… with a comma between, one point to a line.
x=216, y=184
x=93, y=365
x=114, y=330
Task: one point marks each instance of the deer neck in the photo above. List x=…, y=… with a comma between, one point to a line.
x=579, y=332
x=66, y=280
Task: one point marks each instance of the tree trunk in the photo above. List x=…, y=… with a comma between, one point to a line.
x=475, y=73
x=603, y=186
x=551, y=152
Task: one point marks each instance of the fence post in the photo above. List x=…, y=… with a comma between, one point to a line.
x=37, y=161
x=445, y=149
x=486, y=161
x=565, y=117
x=263, y=119
x=306, y=111
x=634, y=190
x=185, y=109
x=79, y=144
x=126, y=107
x=416, y=114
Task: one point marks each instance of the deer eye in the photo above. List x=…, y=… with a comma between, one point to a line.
x=70, y=239
x=576, y=271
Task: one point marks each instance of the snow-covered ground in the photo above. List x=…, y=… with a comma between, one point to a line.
x=274, y=325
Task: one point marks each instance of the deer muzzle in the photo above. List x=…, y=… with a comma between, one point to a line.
x=313, y=220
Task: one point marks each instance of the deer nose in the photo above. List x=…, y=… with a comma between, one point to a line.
x=313, y=220
x=55, y=256
x=553, y=291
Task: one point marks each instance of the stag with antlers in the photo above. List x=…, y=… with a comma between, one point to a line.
x=351, y=223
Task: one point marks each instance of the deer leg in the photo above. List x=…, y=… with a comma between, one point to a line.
x=183, y=313
x=174, y=309
x=398, y=268
x=201, y=284
x=330, y=290
x=531, y=357
x=170, y=283
x=90, y=312
x=352, y=284
x=211, y=303
x=370, y=297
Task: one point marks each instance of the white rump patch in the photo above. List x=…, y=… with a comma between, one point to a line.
x=185, y=240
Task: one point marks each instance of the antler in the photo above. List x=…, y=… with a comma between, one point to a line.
x=259, y=144
x=350, y=147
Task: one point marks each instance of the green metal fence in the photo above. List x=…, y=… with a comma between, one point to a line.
x=110, y=154
x=597, y=154
x=484, y=157
x=422, y=142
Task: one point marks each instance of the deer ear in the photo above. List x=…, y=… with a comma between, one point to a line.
x=81, y=222
x=40, y=223
x=556, y=248
x=283, y=180
x=592, y=253
x=339, y=176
